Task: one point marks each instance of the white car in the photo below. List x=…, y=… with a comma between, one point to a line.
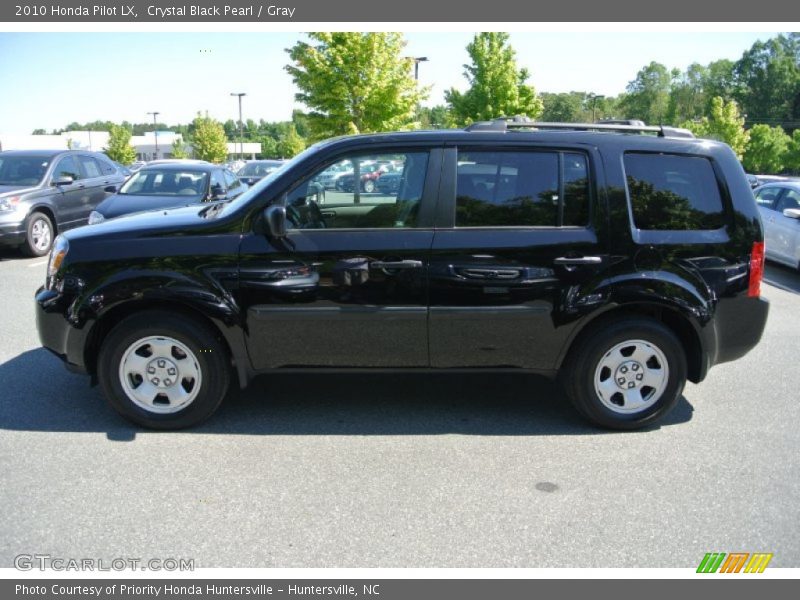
x=779, y=205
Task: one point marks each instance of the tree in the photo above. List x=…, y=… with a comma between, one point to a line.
x=768, y=80
x=434, y=117
x=178, y=149
x=119, y=145
x=725, y=124
x=793, y=152
x=497, y=87
x=354, y=82
x=290, y=143
x=687, y=95
x=39, y=132
x=648, y=95
x=766, y=150
x=562, y=108
x=209, y=140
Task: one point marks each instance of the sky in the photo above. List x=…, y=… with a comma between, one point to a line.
x=52, y=79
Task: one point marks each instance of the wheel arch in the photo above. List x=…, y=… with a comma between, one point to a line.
x=106, y=322
x=680, y=324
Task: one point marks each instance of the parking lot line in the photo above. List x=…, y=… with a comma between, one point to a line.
x=37, y=264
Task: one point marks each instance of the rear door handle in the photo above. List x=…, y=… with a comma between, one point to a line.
x=396, y=264
x=578, y=260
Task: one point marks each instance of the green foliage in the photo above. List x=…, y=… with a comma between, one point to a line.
x=577, y=107
x=119, y=145
x=766, y=151
x=792, y=157
x=178, y=149
x=435, y=117
x=724, y=124
x=290, y=144
x=687, y=99
x=39, y=132
x=768, y=80
x=354, y=82
x=497, y=87
x=209, y=140
x=649, y=94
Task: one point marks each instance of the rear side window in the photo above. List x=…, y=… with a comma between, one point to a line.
x=521, y=189
x=671, y=192
x=90, y=166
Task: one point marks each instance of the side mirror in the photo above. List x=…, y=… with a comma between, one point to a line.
x=216, y=192
x=275, y=216
x=792, y=213
x=110, y=189
x=63, y=180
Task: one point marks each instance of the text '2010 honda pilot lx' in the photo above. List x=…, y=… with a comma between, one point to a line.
x=621, y=259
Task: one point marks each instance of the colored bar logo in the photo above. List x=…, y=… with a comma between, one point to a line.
x=736, y=562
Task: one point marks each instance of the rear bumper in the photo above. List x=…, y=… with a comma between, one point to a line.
x=56, y=333
x=740, y=324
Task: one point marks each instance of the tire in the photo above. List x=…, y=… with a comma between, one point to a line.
x=39, y=235
x=369, y=186
x=607, y=375
x=160, y=346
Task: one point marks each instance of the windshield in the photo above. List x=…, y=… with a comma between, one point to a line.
x=259, y=169
x=23, y=170
x=166, y=182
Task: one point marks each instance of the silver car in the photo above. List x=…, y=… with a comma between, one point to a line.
x=779, y=205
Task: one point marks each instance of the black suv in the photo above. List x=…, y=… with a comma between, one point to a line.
x=624, y=259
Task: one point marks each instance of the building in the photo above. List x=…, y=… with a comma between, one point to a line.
x=96, y=141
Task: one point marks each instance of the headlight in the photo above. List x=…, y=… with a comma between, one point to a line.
x=95, y=217
x=9, y=203
x=57, y=255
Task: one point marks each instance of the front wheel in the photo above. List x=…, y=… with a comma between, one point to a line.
x=369, y=186
x=163, y=371
x=626, y=374
x=39, y=235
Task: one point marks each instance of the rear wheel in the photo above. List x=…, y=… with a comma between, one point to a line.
x=163, y=371
x=39, y=235
x=369, y=186
x=627, y=374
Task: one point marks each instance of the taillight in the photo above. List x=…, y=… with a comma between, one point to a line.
x=756, y=270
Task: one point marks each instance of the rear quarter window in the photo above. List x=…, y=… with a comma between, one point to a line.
x=673, y=192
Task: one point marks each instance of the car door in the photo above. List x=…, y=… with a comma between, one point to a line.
x=94, y=184
x=347, y=287
x=515, y=240
x=235, y=187
x=785, y=229
x=69, y=198
x=767, y=199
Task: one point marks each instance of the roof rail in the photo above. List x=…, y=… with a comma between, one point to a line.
x=620, y=126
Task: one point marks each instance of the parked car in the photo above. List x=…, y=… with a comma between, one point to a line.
x=329, y=176
x=621, y=261
x=167, y=185
x=389, y=183
x=369, y=175
x=122, y=169
x=43, y=193
x=136, y=165
x=779, y=205
x=255, y=170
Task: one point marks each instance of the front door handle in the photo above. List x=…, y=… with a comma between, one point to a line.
x=396, y=264
x=578, y=260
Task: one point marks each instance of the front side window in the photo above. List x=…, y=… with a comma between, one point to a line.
x=522, y=189
x=363, y=191
x=67, y=167
x=791, y=199
x=671, y=192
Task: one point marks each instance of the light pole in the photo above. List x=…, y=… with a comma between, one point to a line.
x=241, y=126
x=594, y=98
x=155, y=132
x=417, y=60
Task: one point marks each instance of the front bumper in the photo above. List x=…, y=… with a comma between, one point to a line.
x=12, y=234
x=56, y=333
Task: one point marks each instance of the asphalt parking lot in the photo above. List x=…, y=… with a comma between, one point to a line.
x=400, y=470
